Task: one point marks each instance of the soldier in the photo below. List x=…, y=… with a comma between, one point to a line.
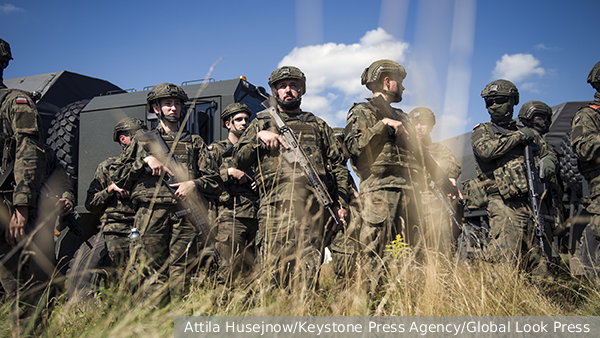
x=237, y=222
x=538, y=116
x=291, y=220
x=165, y=236
x=499, y=154
x=344, y=244
x=106, y=198
x=440, y=232
x=390, y=176
x=23, y=164
x=585, y=128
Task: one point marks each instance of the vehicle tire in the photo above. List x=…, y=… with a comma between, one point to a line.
x=88, y=269
x=569, y=167
x=63, y=137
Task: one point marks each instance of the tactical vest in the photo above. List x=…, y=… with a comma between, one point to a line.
x=387, y=159
x=591, y=170
x=274, y=167
x=505, y=175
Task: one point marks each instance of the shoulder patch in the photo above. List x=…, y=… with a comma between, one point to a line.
x=577, y=119
x=210, y=147
x=349, y=115
x=476, y=126
x=21, y=100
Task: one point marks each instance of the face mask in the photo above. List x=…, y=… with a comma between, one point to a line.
x=501, y=112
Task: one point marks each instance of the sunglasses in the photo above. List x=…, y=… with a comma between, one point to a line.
x=491, y=100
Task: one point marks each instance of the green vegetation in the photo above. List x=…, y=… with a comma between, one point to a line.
x=437, y=287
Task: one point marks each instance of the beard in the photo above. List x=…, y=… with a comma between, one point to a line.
x=289, y=105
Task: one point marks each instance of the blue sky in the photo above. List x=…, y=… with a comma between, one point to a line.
x=450, y=48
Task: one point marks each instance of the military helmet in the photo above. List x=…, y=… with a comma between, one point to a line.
x=287, y=72
x=233, y=109
x=127, y=124
x=422, y=113
x=534, y=107
x=372, y=74
x=165, y=90
x=501, y=88
x=5, y=54
x=594, y=76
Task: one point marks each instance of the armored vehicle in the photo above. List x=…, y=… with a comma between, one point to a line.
x=80, y=112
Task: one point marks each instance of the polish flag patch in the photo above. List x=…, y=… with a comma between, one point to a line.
x=478, y=124
x=577, y=119
x=21, y=100
x=209, y=147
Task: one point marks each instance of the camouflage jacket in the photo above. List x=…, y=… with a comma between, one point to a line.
x=117, y=214
x=22, y=141
x=585, y=141
x=273, y=172
x=500, y=159
x=445, y=158
x=238, y=197
x=129, y=171
x=380, y=161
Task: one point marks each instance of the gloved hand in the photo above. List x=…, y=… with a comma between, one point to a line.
x=547, y=167
x=528, y=132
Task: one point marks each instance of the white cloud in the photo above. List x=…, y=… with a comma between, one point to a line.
x=9, y=8
x=333, y=72
x=518, y=67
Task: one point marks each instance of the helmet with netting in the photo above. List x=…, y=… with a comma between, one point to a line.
x=287, y=72
x=422, y=114
x=128, y=124
x=594, y=76
x=233, y=109
x=373, y=73
x=5, y=54
x=164, y=90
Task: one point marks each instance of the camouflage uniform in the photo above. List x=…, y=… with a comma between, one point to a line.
x=440, y=231
x=117, y=214
x=500, y=164
x=165, y=238
x=390, y=182
x=237, y=222
x=344, y=244
x=23, y=141
x=291, y=220
x=585, y=128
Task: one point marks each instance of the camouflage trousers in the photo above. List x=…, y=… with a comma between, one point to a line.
x=439, y=233
x=290, y=240
x=165, y=246
x=344, y=245
x=235, y=243
x=594, y=210
x=512, y=235
x=32, y=264
x=386, y=214
x=117, y=244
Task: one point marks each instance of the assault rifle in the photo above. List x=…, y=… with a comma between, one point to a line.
x=159, y=147
x=536, y=192
x=296, y=155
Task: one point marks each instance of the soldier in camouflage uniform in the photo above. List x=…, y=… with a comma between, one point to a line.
x=166, y=238
x=238, y=204
x=106, y=198
x=585, y=136
x=538, y=116
x=23, y=164
x=498, y=147
x=344, y=244
x=440, y=233
x=291, y=220
x=390, y=176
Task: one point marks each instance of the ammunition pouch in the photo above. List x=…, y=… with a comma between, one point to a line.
x=511, y=179
x=475, y=196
